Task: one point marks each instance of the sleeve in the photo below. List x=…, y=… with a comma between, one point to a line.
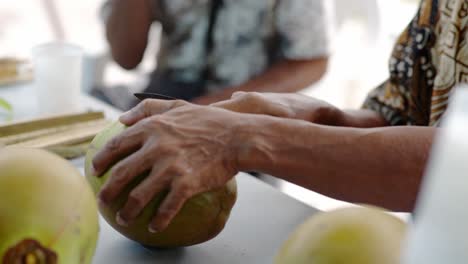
x=301, y=26
x=387, y=100
x=405, y=98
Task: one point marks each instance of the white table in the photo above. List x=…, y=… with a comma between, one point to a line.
x=261, y=220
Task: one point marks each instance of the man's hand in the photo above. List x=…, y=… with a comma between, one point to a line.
x=186, y=149
x=290, y=105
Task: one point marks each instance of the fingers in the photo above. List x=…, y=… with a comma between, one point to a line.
x=123, y=173
x=242, y=102
x=148, y=108
x=138, y=199
x=238, y=94
x=228, y=105
x=128, y=141
x=169, y=208
x=233, y=104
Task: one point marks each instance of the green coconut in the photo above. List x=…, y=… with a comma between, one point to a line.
x=352, y=235
x=48, y=213
x=201, y=218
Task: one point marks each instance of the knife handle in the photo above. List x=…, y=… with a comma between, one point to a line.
x=143, y=96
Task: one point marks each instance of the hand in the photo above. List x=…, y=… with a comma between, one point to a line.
x=187, y=149
x=286, y=105
x=210, y=98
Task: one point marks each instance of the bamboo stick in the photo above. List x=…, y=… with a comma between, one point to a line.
x=68, y=135
x=78, y=134
x=70, y=151
x=46, y=123
x=28, y=136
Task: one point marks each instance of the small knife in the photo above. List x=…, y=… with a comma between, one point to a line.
x=143, y=96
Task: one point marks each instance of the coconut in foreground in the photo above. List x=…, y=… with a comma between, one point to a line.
x=48, y=213
x=352, y=235
x=201, y=218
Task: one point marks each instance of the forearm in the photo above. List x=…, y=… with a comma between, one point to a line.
x=381, y=166
x=284, y=77
x=127, y=30
x=287, y=76
x=362, y=118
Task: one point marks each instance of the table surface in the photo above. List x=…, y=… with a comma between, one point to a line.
x=261, y=220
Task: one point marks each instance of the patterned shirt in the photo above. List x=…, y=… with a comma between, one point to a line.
x=248, y=36
x=428, y=61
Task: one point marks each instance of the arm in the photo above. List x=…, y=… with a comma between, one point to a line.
x=362, y=118
x=202, y=148
x=301, y=36
x=285, y=76
x=127, y=30
x=298, y=106
x=381, y=166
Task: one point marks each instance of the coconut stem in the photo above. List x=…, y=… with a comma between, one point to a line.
x=29, y=251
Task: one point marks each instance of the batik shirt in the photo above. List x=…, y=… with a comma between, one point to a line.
x=248, y=37
x=428, y=61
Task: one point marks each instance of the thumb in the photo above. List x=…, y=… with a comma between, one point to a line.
x=235, y=104
x=231, y=105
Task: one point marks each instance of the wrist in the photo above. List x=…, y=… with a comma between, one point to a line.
x=337, y=117
x=245, y=138
x=327, y=115
x=360, y=118
x=272, y=145
x=256, y=142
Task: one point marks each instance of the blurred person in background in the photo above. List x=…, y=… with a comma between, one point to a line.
x=213, y=48
x=374, y=155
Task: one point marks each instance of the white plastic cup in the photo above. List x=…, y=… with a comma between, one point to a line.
x=58, y=77
x=94, y=66
x=439, y=232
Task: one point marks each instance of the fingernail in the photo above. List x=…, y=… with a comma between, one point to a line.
x=93, y=171
x=124, y=116
x=152, y=230
x=102, y=199
x=101, y=203
x=120, y=220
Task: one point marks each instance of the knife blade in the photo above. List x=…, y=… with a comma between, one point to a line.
x=143, y=96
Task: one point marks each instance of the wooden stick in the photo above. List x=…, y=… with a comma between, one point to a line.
x=75, y=135
x=46, y=123
x=70, y=151
x=18, y=138
x=65, y=135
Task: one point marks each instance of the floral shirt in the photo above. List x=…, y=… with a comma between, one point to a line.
x=428, y=61
x=248, y=36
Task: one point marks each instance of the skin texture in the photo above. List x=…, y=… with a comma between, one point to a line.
x=200, y=219
x=127, y=31
x=201, y=148
x=349, y=235
x=301, y=107
x=47, y=205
